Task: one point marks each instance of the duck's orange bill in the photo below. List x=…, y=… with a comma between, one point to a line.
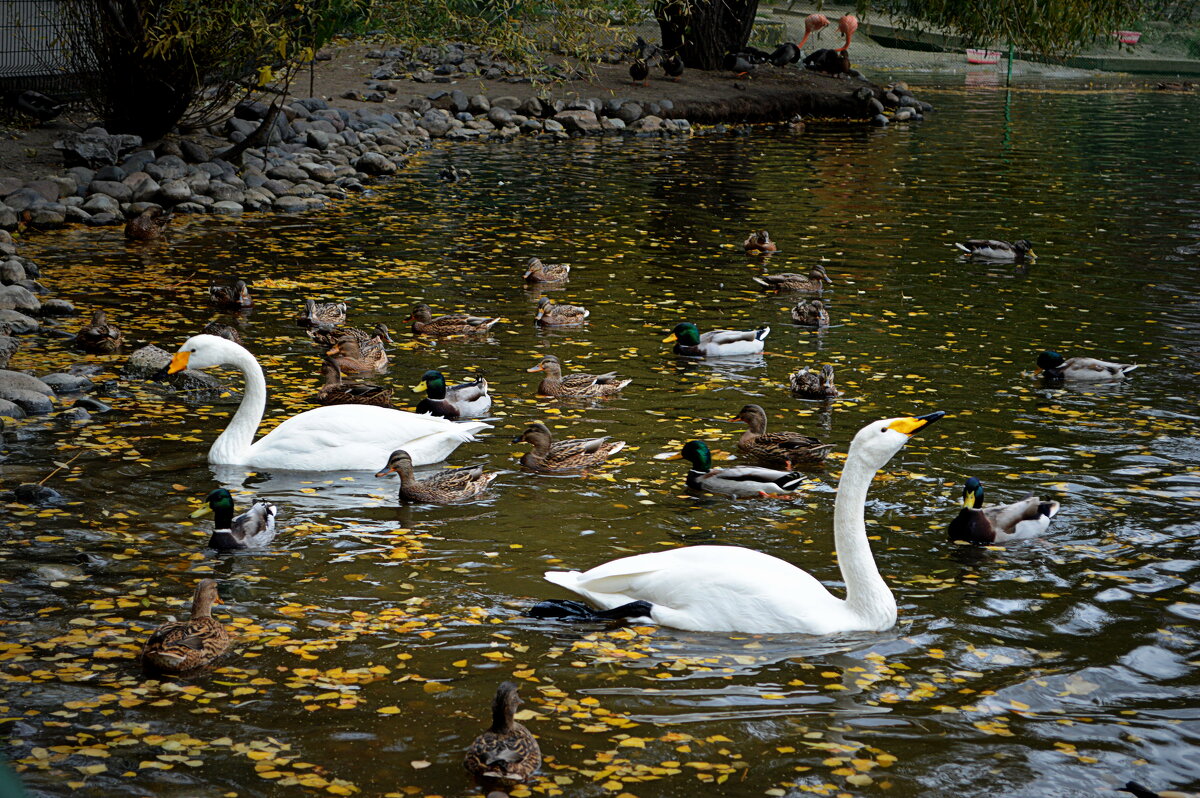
x=538, y=367
x=178, y=362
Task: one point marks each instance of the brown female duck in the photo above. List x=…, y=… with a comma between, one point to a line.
x=538, y=272
x=550, y=314
x=572, y=454
x=98, y=337
x=328, y=336
x=811, y=385
x=759, y=243
x=231, y=297
x=321, y=314
x=580, y=385
x=148, y=225
x=425, y=323
x=337, y=392
x=222, y=331
x=180, y=647
x=790, y=449
x=446, y=487
x=506, y=752
x=352, y=355
x=811, y=313
x=813, y=282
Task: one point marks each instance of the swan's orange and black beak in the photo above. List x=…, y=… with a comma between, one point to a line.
x=179, y=362
x=913, y=424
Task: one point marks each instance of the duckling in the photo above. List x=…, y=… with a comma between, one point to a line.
x=538, y=272
x=353, y=356
x=231, y=297
x=322, y=314
x=98, y=337
x=148, y=225
x=551, y=315
x=253, y=529
x=672, y=64
x=469, y=400
x=575, y=385
x=739, y=481
x=447, y=487
x=506, y=752
x=424, y=322
x=789, y=448
x=813, y=282
x=811, y=313
x=689, y=342
x=1053, y=366
x=184, y=647
x=222, y=331
x=759, y=242
x=810, y=385
x=328, y=336
x=572, y=454
x=1028, y=518
x=337, y=392
x=991, y=249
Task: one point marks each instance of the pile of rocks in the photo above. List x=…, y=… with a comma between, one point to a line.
x=898, y=104
x=457, y=60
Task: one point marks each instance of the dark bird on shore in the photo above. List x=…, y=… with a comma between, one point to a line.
x=506, y=752
x=33, y=103
x=741, y=63
x=832, y=62
x=148, y=225
x=672, y=64
x=639, y=70
x=784, y=54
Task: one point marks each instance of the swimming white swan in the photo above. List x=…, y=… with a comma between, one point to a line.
x=334, y=438
x=734, y=589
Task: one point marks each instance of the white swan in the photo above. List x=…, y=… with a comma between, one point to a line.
x=334, y=438
x=734, y=589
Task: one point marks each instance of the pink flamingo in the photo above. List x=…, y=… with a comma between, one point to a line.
x=812, y=23
x=847, y=25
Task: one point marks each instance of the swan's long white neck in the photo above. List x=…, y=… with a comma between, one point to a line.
x=233, y=445
x=867, y=595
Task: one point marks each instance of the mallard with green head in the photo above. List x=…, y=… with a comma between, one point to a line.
x=336, y=391
x=98, y=337
x=575, y=385
x=689, y=342
x=552, y=314
x=185, y=647
x=322, y=314
x=506, y=753
x=231, y=297
x=790, y=449
x=992, y=249
x=813, y=282
x=1054, y=366
x=573, y=454
x=425, y=323
x=810, y=384
x=253, y=529
x=739, y=481
x=446, y=487
x=468, y=400
x=538, y=272
x=1000, y=523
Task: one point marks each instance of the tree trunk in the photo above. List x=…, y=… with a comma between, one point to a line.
x=702, y=31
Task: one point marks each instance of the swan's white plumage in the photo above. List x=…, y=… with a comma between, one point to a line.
x=333, y=438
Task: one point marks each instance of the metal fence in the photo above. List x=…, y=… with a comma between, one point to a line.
x=32, y=55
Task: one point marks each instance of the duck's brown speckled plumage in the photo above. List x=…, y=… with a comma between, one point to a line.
x=337, y=392
x=507, y=751
x=181, y=647
x=790, y=449
x=573, y=454
x=148, y=225
x=231, y=297
x=446, y=487
x=425, y=323
x=814, y=385
x=98, y=336
x=352, y=356
x=579, y=385
x=321, y=314
x=811, y=313
x=538, y=272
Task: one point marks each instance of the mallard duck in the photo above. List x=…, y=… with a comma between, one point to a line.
x=572, y=454
x=1001, y=523
x=672, y=64
x=991, y=249
x=811, y=313
x=337, y=438
x=223, y=331
x=181, y=647
x=322, y=314
x=253, y=529
x=739, y=481
x=337, y=392
x=148, y=225
x=759, y=242
x=328, y=336
x=98, y=336
x=424, y=322
x=1053, y=366
x=582, y=385
x=811, y=385
x=355, y=358
x=639, y=71
x=550, y=314
x=506, y=752
x=814, y=281
x=790, y=448
x=538, y=272
x=469, y=400
x=231, y=297
x=735, y=589
x=446, y=487
x=716, y=343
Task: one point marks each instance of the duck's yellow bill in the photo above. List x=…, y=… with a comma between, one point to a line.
x=205, y=510
x=179, y=362
x=420, y=386
x=669, y=338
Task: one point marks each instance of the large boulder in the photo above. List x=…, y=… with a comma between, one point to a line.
x=32, y=402
x=95, y=147
x=150, y=362
x=578, y=121
x=16, y=297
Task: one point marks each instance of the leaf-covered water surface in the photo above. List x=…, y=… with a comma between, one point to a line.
x=371, y=636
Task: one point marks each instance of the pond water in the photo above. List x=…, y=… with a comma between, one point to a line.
x=372, y=636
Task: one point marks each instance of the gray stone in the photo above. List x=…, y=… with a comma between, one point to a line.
x=507, y=101
x=190, y=207
x=459, y=101
x=10, y=184
x=15, y=297
x=11, y=271
x=286, y=171
x=33, y=287
x=221, y=191
x=578, y=120
x=874, y=105
x=11, y=409
x=167, y=167
x=879, y=120
x=648, y=124
x=95, y=147
x=48, y=189
x=531, y=126
x=250, y=109
x=290, y=204
x=76, y=215
x=24, y=199
x=57, y=307
x=110, y=172
x=118, y=191
x=374, y=163
x=101, y=203
x=31, y=493
x=611, y=125
x=24, y=382
x=61, y=382
x=499, y=116
x=227, y=208
x=319, y=172
x=73, y=416
x=144, y=187
x=630, y=112
x=435, y=122
x=320, y=139
x=8, y=348
x=174, y=191
x=194, y=152
x=32, y=402
x=49, y=216
x=479, y=104
x=553, y=126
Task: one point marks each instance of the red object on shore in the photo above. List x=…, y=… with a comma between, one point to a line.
x=983, y=56
x=1127, y=36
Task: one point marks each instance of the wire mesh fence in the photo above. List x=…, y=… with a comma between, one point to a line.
x=32, y=54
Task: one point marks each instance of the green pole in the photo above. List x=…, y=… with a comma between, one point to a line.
x=1008, y=78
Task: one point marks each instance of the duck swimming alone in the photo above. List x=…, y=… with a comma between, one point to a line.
x=184, y=647
x=98, y=337
x=689, y=342
x=1000, y=523
x=469, y=400
x=231, y=297
x=811, y=313
x=991, y=249
x=538, y=272
x=759, y=242
x=1053, y=366
x=813, y=385
x=253, y=529
x=425, y=323
x=550, y=314
x=506, y=752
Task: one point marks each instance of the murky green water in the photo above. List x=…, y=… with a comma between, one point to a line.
x=372, y=636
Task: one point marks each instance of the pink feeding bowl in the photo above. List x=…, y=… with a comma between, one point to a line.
x=983, y=56
x=1127, y=36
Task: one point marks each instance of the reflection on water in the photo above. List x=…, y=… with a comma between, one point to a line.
x=372, y=635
